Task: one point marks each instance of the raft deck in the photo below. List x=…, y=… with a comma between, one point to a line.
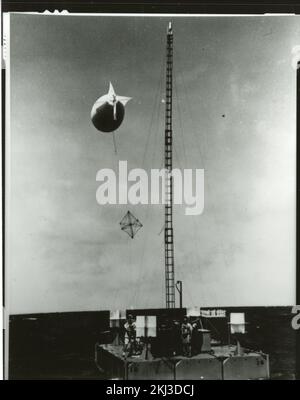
x=221, y=363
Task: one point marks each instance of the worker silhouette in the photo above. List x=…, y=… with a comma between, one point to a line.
x=186, y=335
x=130, y=336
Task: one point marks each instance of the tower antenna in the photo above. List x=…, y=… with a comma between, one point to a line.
x=169, y=239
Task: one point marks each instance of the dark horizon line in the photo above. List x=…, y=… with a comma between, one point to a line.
x=141, y=309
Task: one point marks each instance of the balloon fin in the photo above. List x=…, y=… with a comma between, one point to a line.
x=111, y=91
x=123, y=99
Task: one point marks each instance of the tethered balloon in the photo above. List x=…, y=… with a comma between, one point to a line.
x=108, y=111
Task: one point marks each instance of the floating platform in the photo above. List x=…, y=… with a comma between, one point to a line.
x=221, y=363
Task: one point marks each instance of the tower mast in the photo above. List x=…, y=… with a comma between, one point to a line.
x=169, y=240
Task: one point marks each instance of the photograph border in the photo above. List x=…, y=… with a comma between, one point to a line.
x=153, y=7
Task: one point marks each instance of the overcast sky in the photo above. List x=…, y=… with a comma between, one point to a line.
x=234, y=116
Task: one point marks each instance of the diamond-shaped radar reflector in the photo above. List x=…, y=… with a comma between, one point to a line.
x=130, y=224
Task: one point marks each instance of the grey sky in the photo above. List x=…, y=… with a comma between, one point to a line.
x=66, y=251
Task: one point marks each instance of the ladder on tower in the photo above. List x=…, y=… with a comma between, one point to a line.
x=169, y=237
